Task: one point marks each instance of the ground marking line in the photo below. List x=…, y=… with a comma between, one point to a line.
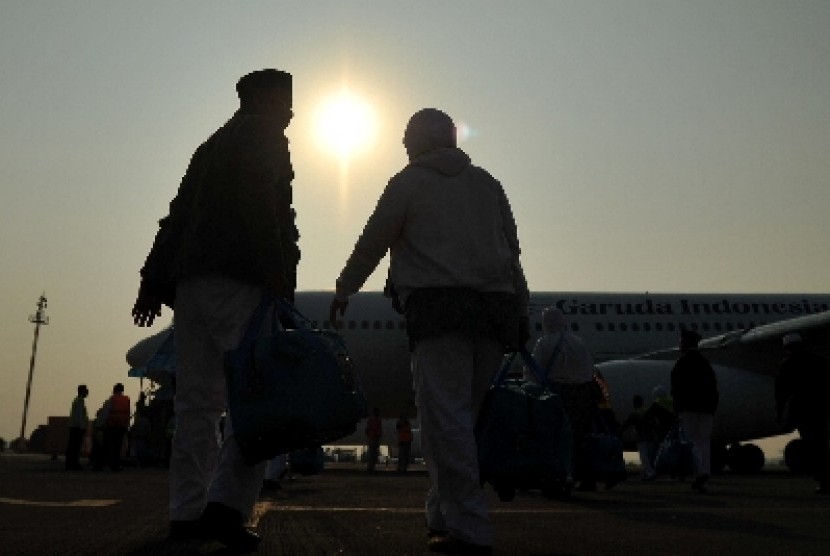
x=69, y=504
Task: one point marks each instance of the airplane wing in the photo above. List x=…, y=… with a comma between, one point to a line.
x=759, y=349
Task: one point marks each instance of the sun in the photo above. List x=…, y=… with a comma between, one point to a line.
x=345, y=124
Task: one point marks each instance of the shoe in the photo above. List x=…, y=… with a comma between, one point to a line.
x=225, y=525
x=449, y=544
x=187, y=530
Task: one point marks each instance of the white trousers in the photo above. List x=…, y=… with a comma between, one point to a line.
x=211, y=315
x=451, y=375
x=698, y=428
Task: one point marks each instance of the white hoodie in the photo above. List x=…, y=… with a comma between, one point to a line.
x=446, y=223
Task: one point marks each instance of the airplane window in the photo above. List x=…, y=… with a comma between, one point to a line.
x=599, y=327
x=670, y=327
x=729, y=326
x=378, y=325
x=705, y=326
x=364, y=325
x=751, y=324
x=611, y=327
x=647, y=326
x=575, y=327
x=658, y=327
x=390, y=325
x=635, y=327
x=623, y=327
x=402, y=325
x=740, y=325
x=718, y=326
x=352, y=325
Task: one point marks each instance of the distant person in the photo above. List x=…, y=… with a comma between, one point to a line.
x=801, y=390
x=454, y=264
x=569, y=366
x=694, y=389
x=374, y=432
x=229, y=238
x=139, y=436
x=661, y=412
x=116, y=419
x=78, y=425
x=404, y=429
x=97, y=455
x=646, y=437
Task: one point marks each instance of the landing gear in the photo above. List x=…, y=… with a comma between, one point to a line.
x=795, y=456
x=745, y=458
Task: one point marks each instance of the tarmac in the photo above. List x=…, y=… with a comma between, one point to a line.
x=345, y=510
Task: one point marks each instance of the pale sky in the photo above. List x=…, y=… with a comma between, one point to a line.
x=644, y=145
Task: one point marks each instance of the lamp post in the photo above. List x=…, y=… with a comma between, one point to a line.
x=37, y=319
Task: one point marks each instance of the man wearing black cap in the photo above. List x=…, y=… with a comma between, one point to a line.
x=229, y=236
x=694, y=389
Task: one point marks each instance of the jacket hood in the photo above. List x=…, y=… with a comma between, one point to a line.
x=447, y=161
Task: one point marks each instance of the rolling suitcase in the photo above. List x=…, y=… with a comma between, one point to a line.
x=523, y=436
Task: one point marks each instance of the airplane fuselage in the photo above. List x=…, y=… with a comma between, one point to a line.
x=615, y=326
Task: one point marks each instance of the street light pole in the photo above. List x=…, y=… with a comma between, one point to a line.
x=37, y=319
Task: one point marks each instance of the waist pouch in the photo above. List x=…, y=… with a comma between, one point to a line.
x=433, y=312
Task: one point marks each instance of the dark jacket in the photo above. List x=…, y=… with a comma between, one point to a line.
x=693, y=384
x=803, y=381
x=232, y=214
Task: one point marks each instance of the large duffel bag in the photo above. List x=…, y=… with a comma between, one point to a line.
x=523, y=436
x=292, y=389
x=675, y=455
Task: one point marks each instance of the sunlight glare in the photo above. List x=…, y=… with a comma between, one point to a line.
x=345, y=124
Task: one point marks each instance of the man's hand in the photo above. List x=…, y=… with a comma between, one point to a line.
x=337, y=306
x=147, y=306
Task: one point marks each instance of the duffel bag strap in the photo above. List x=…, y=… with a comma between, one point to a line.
x=533, y=365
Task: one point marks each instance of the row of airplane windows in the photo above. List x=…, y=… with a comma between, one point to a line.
x=600, y=327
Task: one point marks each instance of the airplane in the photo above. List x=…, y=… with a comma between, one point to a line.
x=632, y=338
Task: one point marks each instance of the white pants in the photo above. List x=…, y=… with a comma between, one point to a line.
x=647, y=450
x=451, y=375
x=698, y=428
x=211, y=315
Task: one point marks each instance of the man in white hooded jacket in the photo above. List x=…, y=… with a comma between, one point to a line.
x=454, y=265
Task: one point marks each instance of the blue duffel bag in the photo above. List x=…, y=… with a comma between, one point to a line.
x=292, y=389
x=675, y=455
x=523, y=436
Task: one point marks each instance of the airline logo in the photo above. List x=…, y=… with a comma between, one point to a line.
x=688, y=306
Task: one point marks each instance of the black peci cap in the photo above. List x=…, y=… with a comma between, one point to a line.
x=264, y=80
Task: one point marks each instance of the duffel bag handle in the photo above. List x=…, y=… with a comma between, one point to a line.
x=529, y=361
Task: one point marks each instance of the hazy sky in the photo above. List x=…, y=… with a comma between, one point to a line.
x=644, y=145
